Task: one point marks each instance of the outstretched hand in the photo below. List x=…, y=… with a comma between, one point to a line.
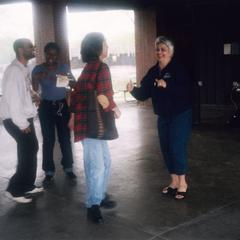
x=130, y=86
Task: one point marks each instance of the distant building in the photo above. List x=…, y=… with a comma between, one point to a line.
x=76, y=62
x=112, y=60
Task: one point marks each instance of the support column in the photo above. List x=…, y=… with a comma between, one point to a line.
x=50, y=25
x=43, y=26
x=145, y=35
x=60, y=26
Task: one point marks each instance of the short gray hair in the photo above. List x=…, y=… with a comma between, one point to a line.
x=164, y=40
x=19, y=43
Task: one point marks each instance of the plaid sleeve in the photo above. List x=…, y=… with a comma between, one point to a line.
x=78, y=95
x=104, y=85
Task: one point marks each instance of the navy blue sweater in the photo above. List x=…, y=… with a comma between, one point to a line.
x=169, y=101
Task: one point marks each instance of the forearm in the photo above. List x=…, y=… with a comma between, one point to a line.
x=71, y=121
x=35, y=84
x=140, y=94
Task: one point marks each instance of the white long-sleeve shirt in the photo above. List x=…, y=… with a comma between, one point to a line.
x=16, y=102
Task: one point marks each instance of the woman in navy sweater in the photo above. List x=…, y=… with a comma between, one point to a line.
x=169, y=87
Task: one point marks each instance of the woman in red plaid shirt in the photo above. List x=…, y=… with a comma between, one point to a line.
x=97, y=160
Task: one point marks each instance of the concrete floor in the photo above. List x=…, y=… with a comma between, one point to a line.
x=211, y=210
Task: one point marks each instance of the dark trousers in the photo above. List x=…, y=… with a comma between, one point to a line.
x=55, y=114
x=27, y=148
x=173, y=134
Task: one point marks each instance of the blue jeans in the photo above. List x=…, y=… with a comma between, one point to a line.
x=97, y=162
x=173, y=134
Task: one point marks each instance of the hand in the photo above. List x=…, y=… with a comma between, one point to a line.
x=72, y=84
x=117, y=112
x=103, y=100
x=26, y=130
x=71, y=122
x=130, y=86
x=161, y=83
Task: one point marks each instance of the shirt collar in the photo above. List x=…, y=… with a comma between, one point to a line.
x=19, y=64
x=16, y=62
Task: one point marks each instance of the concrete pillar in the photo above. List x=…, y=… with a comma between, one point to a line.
x=60, y=26
x=145, y=35
x=43, y=26
x=50, y=25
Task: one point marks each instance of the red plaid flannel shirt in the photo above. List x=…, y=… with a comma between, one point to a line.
x=87, y=81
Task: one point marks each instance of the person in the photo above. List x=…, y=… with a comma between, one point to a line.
x=53, y=111
x=168, y=85
x=97, y=160
x=18, y=111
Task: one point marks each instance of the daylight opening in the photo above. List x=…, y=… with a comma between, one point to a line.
x=118, y=29
x=14, y=24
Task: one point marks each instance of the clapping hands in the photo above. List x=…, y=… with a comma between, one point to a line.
x=160, y=83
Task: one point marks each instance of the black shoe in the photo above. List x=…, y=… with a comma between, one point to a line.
x=94, y=214
x=71, y=175
x=48, y=179
x=107, y=203
x=169, y=191
x=181, y=195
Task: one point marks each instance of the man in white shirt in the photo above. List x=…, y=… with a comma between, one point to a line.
x=17, y=111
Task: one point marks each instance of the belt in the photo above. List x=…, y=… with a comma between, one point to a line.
x=54, y=102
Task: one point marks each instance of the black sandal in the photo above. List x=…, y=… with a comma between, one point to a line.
x=182, y=194
x=169, y=191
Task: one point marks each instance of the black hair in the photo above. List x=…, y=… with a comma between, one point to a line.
x=91, y=46
x=19, y=43
x=50, y=46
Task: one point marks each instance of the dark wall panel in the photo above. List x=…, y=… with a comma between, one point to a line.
x=214, y=26
x=199, y=32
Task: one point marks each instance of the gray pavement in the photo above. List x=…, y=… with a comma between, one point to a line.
x=211, y=210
